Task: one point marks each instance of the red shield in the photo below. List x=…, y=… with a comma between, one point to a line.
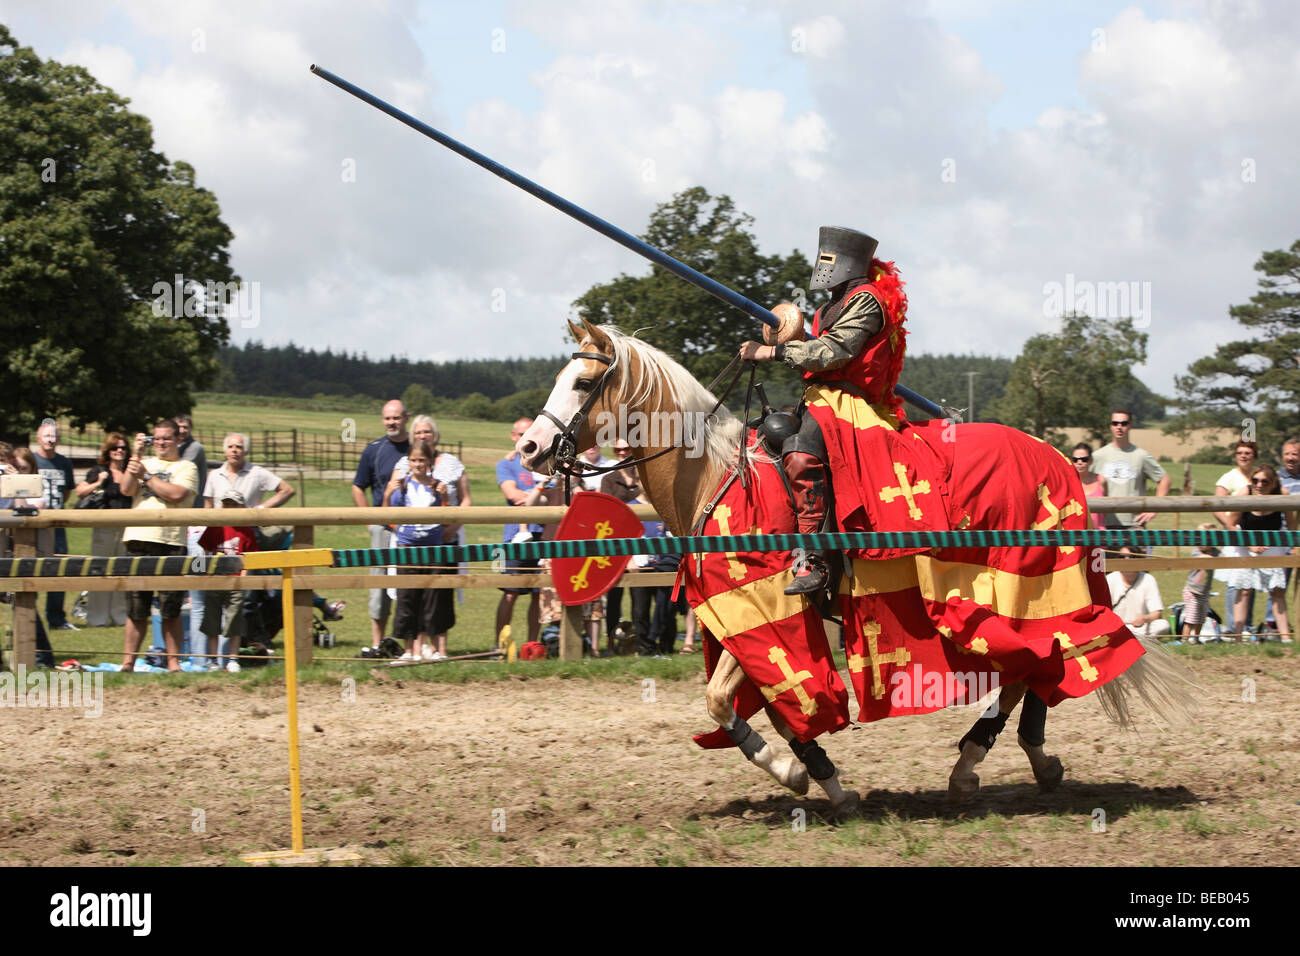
x=592, y=515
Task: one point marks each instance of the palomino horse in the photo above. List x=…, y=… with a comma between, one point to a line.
x=612, y=387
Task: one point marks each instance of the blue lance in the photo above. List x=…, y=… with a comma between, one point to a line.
x=680, y=269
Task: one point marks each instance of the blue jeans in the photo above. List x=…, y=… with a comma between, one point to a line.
x=196, y=639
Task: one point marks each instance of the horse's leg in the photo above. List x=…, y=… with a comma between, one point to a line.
x=726, y=680
x=964, y=781
x=1033, y=718
x=819, y=765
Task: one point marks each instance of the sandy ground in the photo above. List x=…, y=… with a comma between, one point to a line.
x=571, y=771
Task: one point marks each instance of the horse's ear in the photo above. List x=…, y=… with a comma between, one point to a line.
x=577, y=331
x=597, y=335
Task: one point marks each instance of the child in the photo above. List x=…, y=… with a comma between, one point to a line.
x=417, y=611
x=1196, y=591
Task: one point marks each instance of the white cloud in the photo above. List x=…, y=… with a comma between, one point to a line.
x=631, y=102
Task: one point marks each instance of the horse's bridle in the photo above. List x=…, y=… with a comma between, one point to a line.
x=564, y=447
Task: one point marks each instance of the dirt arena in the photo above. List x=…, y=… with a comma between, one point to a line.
x=570, y=771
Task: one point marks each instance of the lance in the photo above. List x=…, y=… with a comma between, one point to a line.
x=644, y=249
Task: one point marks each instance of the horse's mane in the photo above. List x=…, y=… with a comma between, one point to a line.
x=664, y=382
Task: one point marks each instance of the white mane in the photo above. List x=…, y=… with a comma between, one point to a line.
x=721, y=431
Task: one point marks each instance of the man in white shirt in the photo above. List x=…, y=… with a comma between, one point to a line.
x=1126, y=468
x=1136, y=599
x=251, y=481
x=592, y=456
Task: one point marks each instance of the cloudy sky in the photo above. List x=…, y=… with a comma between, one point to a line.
x=1009, y=155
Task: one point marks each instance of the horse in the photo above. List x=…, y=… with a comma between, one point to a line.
x=617, y=386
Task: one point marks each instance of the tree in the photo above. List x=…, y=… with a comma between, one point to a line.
x=704, y=334
x=1073, y=378
x=1253, y=384
x=418, y=399
x=95, y=226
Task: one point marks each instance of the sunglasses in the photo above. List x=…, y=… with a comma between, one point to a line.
x=118, y=448
x=622, y=451
x=1082, y=460
x=1121, y=424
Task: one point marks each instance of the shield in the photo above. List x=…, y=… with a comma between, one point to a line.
x=592, y=515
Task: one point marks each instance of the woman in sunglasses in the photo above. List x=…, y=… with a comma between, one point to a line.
x=1094, y=485
x=1263, y=481
x=103, y=483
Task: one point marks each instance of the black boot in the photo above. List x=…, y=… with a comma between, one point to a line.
x=807, y=477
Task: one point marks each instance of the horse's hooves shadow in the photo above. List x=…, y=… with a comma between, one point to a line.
x=1071, y=797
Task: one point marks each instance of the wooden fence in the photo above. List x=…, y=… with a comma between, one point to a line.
x=305, y=520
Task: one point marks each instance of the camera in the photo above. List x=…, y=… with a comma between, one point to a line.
x=148, y=442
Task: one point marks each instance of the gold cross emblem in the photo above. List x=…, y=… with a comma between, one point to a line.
x=906, y=491
x=1069, y=651
x=735, y=569
x=876, y=660
x=578, y=582
x=792, y=681
x=1055, y=515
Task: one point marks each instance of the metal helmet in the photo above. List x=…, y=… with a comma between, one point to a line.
x=842, y=254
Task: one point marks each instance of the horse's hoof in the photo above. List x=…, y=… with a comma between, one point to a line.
x=1051, y=775
x=962, y=787
x=848, y=805
x=795, y=776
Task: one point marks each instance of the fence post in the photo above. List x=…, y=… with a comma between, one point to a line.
x=295, y=445
x=24, y=605
x=571, y=631
x=304, y=536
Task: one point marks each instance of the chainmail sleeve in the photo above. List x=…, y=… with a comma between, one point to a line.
x=860, y=320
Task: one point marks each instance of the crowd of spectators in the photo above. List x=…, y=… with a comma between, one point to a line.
x=1121, y=469
x=406, y=469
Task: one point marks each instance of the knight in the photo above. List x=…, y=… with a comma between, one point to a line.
x=856, y=348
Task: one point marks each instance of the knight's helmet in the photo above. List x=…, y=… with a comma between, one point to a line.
x=842, y=254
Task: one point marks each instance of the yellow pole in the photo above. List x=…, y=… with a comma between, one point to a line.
x=291, y=688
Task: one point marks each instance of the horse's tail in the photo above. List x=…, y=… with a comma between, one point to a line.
x=1162, y=682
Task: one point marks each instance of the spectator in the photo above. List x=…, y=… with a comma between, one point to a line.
x=251, y=481
x=1233, y=483
x=1136, y=598
x=447, y=468
x=236, y=480
x=1126, y=468
x=159, y=481
x=1196, y=591
x=24, y=463
x=107, y=608
x=56, y=471
x=188, y=448
x=515, y=482
x=224, y=540
x=1263, y=481
x=1094, y=485
x=374, y=473
x=1289, y=473
x=416, y=617
x=593, y=457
